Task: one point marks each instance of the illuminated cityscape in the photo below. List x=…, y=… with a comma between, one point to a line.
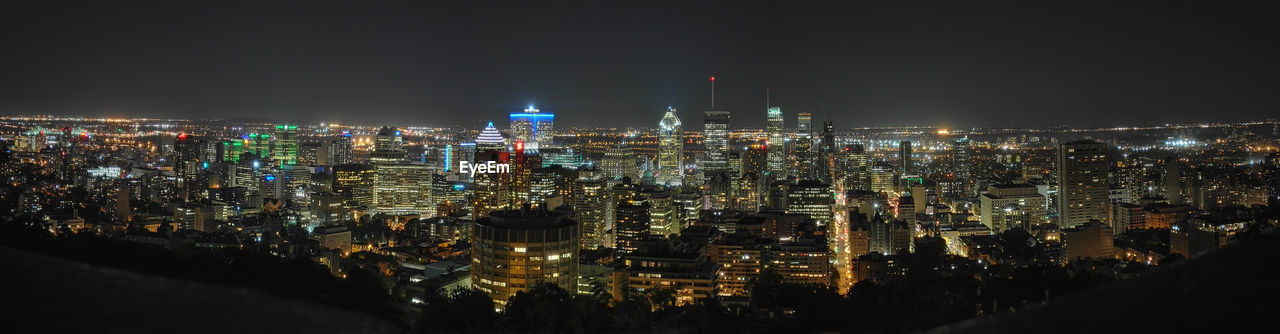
x=484, y=170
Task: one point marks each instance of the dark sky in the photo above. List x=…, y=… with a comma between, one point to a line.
x=595, y=64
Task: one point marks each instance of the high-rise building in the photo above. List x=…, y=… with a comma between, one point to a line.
x=285, y=151
x=810, y=197
x=858, y=176
x=591, y=205
x=962, y=165
x=490, y=139
x=776, y=145
x=826, y=153
x=663, y=217
x=1082, y=183
x=632, y=222
x=341, y=150
x=514, y=249
x=882, y=178
x=620, y=161
x=670, y=149
x=1173, y=180
x=354, y=182
x=401, y=189
x=1004, y=207
x=904, y=157
x=549, y=182
x=533, y=127
x=388, y=146
x=492, y=190
x=802, y=149
x=716, y=141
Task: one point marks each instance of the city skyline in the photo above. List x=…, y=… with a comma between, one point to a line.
x=639, y=167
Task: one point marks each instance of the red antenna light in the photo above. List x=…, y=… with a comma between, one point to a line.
x=713, y=78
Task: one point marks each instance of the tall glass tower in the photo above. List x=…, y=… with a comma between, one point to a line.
x=533, y=127
x=716, y=134
x=777, y=146
x=670, y=148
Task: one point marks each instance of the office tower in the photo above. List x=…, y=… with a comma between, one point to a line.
x=591, y=205
x=962, y=165
x=802, y=148
x=341, y=150
x=776, y=145
x=1082, y=183
x=804, y=122
x=490, y=140
x=810, y=197
x=402, y=189
x=388, y=147
x=514, y=249
x=1173, y=180
x=1003, y=207
x=533, y=127
x=720, y=190
x=882, y=178
x=259, y=144
x=631, y=225
x=663, y=217
x=826, y=153
x=716, y=141
x=286, y=145
x=524, y=159
x=904, y=157
x=492, y=190
x=688, y=203
x=551, y=182
x=354, y=182
x=670, y=149
x=756, y=159
x=859, y=174
x=620, y=161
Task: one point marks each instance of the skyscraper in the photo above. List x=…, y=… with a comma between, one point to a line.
x=810, y=197
x=716, y=142
x=388, y=146
x=620, y=161
x=777, y=144
x=515, y=249
x=286, y=145
x=490, y=139
x=904, y=157
x=670, y=149
x=802, y=147
x=533, y=127
x=1082, y=183
x=633, y=222
x=401, y=188
x=826, y=152
x=961, y=164
x=591, y=205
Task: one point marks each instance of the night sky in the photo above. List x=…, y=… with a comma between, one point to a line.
x=462, y=62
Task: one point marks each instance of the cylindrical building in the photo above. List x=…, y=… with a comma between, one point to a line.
x=514, y=249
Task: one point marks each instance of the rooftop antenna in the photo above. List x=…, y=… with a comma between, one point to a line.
x=713, y=92
x=766, y=98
